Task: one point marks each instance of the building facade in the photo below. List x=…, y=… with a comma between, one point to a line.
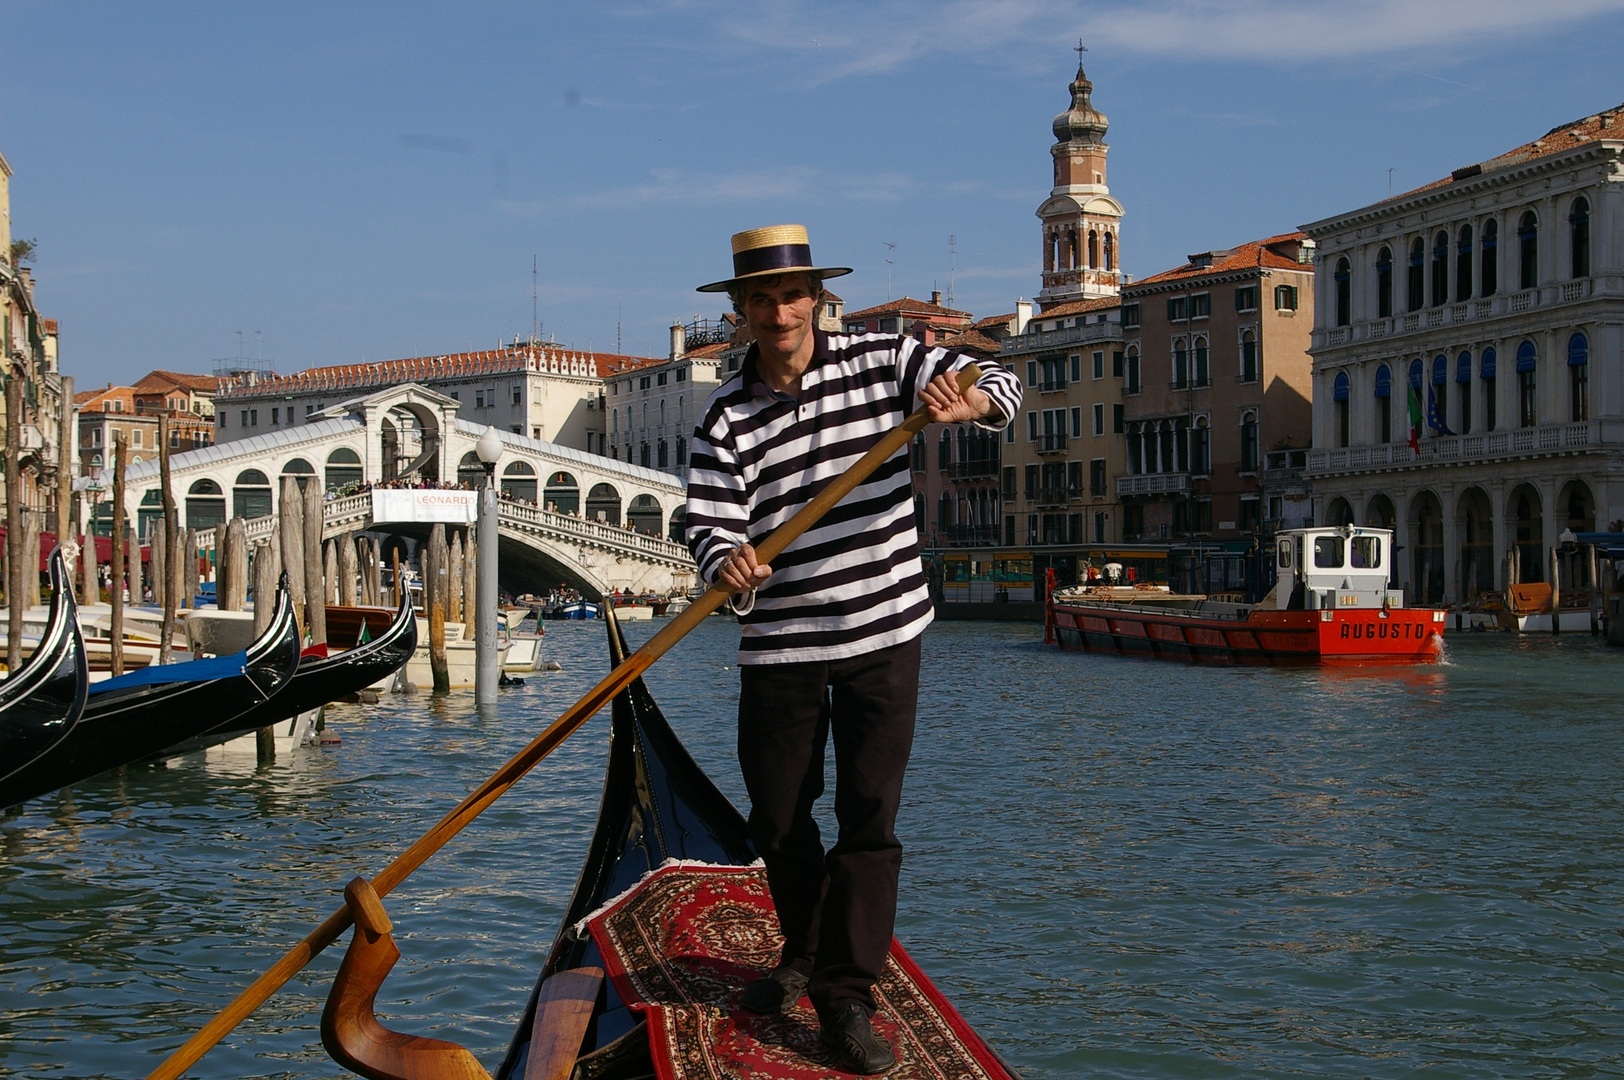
x=1489, y=306
x=1216, y=374
x=537, y=389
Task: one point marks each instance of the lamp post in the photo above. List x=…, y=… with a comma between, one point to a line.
x=487, y=672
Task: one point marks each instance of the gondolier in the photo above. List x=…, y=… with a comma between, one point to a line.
x=830, y=633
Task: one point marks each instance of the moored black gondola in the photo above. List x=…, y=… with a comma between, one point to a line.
x=41, y=702
x=319, y=680
x=133, y=716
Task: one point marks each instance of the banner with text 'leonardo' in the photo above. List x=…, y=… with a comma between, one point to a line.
x=426, y=505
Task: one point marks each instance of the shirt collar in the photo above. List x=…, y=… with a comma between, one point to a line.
x=758, y=386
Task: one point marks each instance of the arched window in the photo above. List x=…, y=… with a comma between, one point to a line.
x=205, y=505
x=1579, y=377
x=251, y=495
x=1134, y=384
x=944, y=449
x=1485, y=373
x=1344, y=292
x=1527, y=385
x=1415, y=285
x=1181, y=363
x=1384, y=403
x=1201, y=447
x=562, y=494
x=644, y=515
x=1489, y=263
x=343, y=468
x=1110, y=251
x=603, y=504
x=1384, y=282
x=519, y=481
x=1527, y=250
x=1440, y=268
x=1463, y=264
x=301, y=471
x=1203, y=370
x=1249, y=371
x=1439, y=399
x=1249, y=442
x=1579, y=239
x=1463, y=383
x=1339, y=395
x=1093, y=249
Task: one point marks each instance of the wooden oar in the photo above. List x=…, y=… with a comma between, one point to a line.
x=471, y=807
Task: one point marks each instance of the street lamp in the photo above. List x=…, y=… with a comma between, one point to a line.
x=487, y=671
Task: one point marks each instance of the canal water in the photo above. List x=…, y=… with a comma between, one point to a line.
x=1114, y=867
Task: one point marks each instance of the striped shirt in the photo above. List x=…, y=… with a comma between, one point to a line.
x=852, y=583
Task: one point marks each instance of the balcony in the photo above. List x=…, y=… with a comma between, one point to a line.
x=1051, y=443
x=972, y=470
x=1153, y=484
x=1543, y=441
x=1044, y=340
x=1455, y=315
x=1052, y=495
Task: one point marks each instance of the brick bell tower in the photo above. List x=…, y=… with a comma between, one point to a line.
x=1081, y=222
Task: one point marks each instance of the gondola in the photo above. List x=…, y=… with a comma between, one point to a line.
x=40, y=703
x=131, y=716
x=318, y=680
x=660, y=814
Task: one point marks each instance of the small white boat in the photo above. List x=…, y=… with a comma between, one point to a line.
x=461, y=659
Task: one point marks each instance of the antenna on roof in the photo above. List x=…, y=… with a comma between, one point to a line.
x=889, y=247
x=535, y=320
x=952, y=262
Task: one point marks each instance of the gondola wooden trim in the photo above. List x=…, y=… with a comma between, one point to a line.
x=563, y=1011
x=349, y=1024
x=295, y=959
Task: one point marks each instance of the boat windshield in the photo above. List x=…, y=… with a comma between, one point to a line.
x=1367, y=551
x=1328, y=551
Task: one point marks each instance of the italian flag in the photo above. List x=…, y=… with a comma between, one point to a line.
x=1415, y=422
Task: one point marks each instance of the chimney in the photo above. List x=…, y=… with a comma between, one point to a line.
x=679, y=343
x=1023, y=315
x=936, y=297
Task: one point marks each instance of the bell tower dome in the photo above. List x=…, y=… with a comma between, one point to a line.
x=1081, y=222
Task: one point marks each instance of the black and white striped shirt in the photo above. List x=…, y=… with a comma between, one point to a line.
x=852, y=583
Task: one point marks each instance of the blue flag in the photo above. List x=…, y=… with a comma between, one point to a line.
x=1435, y=416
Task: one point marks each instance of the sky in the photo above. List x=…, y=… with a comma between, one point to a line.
x=303, y=184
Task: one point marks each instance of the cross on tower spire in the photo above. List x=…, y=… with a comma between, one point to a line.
x=1081, y=49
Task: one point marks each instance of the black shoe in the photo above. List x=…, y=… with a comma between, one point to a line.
x=848, y=1033
x=777, y=992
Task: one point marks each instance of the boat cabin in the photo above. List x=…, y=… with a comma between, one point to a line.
x=1340, y=567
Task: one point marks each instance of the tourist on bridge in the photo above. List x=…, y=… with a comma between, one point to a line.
x=831, y=631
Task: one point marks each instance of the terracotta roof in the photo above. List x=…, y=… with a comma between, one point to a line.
x=1271, y=253
x=994, y=322
x=971, y=340
x=706, y=352
x=1605, y=125
x=125, y=394
x=540, y=358
x=157, y=379
x=909, y=306
x=1079, y=307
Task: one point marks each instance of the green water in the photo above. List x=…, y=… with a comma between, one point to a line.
x=1114, y=867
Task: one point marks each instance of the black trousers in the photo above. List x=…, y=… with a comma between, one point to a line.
x=837, y=910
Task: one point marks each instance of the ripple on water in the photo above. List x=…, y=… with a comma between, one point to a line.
x=1113, y=868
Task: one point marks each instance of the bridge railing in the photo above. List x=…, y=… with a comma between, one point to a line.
x=355, y=511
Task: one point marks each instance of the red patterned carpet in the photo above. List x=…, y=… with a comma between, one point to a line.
x=686, y=941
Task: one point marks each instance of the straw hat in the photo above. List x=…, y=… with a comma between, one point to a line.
x=777, y=249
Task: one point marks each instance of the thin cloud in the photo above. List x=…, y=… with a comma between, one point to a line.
x=1277, y=30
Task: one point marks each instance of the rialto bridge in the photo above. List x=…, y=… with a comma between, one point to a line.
x=566, y=516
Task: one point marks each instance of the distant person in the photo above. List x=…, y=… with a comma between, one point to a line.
x=831, y=631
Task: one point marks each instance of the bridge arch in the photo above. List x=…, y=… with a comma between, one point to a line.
x=644, y=514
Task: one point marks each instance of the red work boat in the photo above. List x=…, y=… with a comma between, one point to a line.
x=1330, y=605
